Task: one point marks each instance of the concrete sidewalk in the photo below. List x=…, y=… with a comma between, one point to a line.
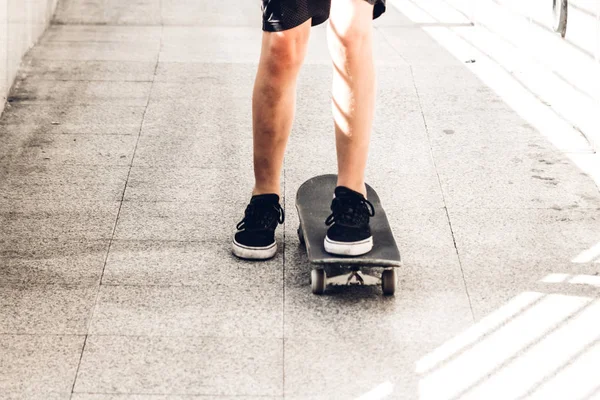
x=125, y=163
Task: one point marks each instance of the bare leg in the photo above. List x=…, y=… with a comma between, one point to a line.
x=349, y=36
x=274, y=101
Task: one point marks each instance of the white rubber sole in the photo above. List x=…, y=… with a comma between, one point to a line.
x=254, y=253
x=349, y=249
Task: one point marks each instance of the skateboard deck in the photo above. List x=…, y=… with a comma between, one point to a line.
x=312, y=202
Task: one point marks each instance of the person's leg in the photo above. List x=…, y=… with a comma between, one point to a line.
x=349, y=35
x=274, y=101
x=273, y=105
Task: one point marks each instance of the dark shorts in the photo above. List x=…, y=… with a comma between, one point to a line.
x=280, y=15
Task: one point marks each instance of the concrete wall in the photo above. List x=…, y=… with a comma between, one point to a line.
x=21, y=24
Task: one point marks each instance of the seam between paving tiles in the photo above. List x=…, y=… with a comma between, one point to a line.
x=462, y=272
x=436, y=171
x=91, y=315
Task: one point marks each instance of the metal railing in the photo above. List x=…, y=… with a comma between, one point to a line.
x=560, y=13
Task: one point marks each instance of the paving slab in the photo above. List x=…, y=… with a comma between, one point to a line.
x=57, y=219
x=204, y=186
x=498, y=126
x=208, y=73
x=70, y=70
x=95, y=51
x=404, y=119
x=530, y=348
x=98, y=12
x=427, y=247
x=226, y=97
x=163, y=365
x=534, y=174
x=505, y=252
x=577, y=373
x=447, y=79
x=355, y=313
x=503, y=130
x=30, y=261
x=39, y=150
x=37, y=396
x=201, y=151
x=514, y=234
x=48, y=309
x=38, y=367
x=233, y=45
x=179, y=221
x=472, y=100
x=171, y=263
x=225, y=13
x=207, y=310
x=544, y=187
x=236, y=90
x=185, y=119
x=91, y=119
x=81, y=92
x=406, y=191
x=395, y=89
x=320, y=368
x=183, y=115
x=145, y=36
x=402, y=128
x=62, y=182
x=416, y=48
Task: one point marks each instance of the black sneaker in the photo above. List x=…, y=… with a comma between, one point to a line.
x=349, y=233
x=255, y=238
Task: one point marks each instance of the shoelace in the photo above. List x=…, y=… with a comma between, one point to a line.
x=347, y=212
x=251, y=222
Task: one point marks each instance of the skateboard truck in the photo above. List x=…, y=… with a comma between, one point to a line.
x=353, y=278
x=320, y=280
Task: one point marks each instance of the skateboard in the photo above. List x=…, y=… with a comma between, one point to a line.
x=312, y=202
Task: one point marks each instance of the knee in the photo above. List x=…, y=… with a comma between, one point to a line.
x=348, y=37
x=283, y=52
x=350, y=26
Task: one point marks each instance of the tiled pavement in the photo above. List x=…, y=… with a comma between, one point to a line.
x=125, y=162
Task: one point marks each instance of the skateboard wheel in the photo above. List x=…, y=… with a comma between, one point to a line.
x=318, y=281
x=300, y=235
x=389, y=279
